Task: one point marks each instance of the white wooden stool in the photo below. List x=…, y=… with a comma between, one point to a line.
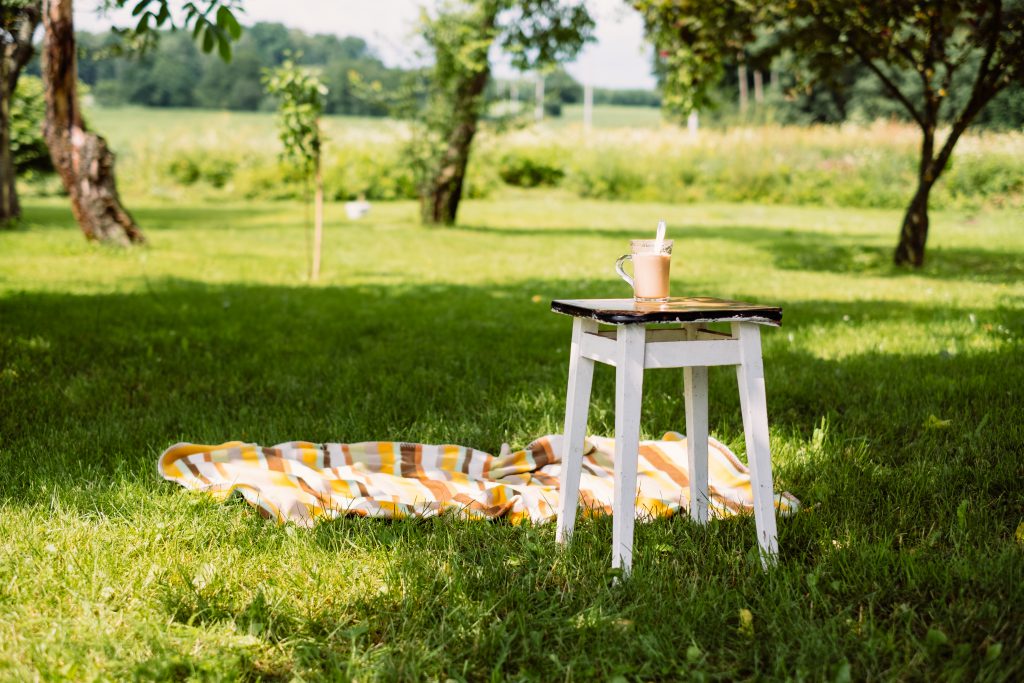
x=632, y=348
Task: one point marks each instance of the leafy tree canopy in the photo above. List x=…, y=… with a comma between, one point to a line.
x=923, y=52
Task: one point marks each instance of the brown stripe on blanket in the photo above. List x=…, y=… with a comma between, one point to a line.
x=657, y=458
x=409, y=467
x=436, y=488
x=469, y=502
x=542, y=453
x=195, y=472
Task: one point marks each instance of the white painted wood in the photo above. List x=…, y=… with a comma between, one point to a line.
x=688, y=331
x=577, y=407
x=695, y=384
x=703, y=333
x=684, y=354
x=629, y=382
x=631, y=349
x=599, y=347
x=666, y=350
x=754, y=407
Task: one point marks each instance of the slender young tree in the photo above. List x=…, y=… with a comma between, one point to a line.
x=940, y=45
x=534, y=33
x=301, y=104
x=18, y=22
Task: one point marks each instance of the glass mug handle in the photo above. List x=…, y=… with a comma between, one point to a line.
x=622, y=273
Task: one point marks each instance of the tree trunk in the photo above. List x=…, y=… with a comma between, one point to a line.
x=441, y=203
x=83, y=159
x=741, y=78
x=10, y=210
x=19, y=25
x=914, y=232
x=318, y=219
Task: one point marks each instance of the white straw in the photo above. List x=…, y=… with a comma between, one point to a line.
x=660, y=238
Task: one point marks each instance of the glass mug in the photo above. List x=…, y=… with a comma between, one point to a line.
x=651, y=263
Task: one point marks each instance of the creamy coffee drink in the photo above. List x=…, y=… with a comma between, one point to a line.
x=650, y=275
x=652, y=260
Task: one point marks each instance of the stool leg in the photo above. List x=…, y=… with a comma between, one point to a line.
x=695, y=381
x=629, y=385
x=754, y=406
x=577, y=407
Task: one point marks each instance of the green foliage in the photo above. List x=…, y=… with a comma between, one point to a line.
x=923, y=53
x=28, y=148
x=460, y=35
x=209, y=167
x=904, y=563
x=530, y=168
x=301, y=104
x=174, y=73
x=212, y=23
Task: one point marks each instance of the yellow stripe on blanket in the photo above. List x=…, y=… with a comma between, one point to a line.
x=301, y=482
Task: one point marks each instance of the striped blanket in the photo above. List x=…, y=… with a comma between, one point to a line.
x=302, y=482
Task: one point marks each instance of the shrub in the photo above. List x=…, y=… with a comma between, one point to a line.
x=193, y=166
x=871, y=166
x=28, y=107
x=529, y=168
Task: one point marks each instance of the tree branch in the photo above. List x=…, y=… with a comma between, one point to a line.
x=983, y=91
x=917, y=116
x=21, y=51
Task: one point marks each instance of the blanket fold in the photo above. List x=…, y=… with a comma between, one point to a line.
x=302, y=482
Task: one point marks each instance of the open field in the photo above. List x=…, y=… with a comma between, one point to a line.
x=187, y=155
x=894, y=399
x=123, y=124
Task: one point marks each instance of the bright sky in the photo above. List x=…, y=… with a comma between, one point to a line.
x=619, y=58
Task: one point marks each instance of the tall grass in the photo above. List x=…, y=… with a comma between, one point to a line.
x=220, y=155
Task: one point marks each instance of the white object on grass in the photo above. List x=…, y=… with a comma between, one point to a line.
x=357, y=209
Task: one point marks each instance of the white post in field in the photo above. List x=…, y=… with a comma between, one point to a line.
x=538, y=110
x=693, y=123
x=588, y=107
x=513, y=91
x=741, y=77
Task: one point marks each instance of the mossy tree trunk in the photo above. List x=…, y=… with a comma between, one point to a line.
x=82, y=158
x=19, y=25
x=440, y=203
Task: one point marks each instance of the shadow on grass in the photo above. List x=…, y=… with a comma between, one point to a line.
x=819, y=251
x=103, y=383
x=95, y=386
x=56, y=216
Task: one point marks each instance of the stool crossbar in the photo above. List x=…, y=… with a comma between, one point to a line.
x=631, y=348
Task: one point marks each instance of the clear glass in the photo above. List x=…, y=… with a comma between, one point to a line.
x=651, y=264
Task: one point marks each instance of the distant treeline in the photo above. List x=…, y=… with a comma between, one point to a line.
x=176, y=74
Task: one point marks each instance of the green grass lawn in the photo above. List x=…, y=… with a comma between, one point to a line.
x=894, y=401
